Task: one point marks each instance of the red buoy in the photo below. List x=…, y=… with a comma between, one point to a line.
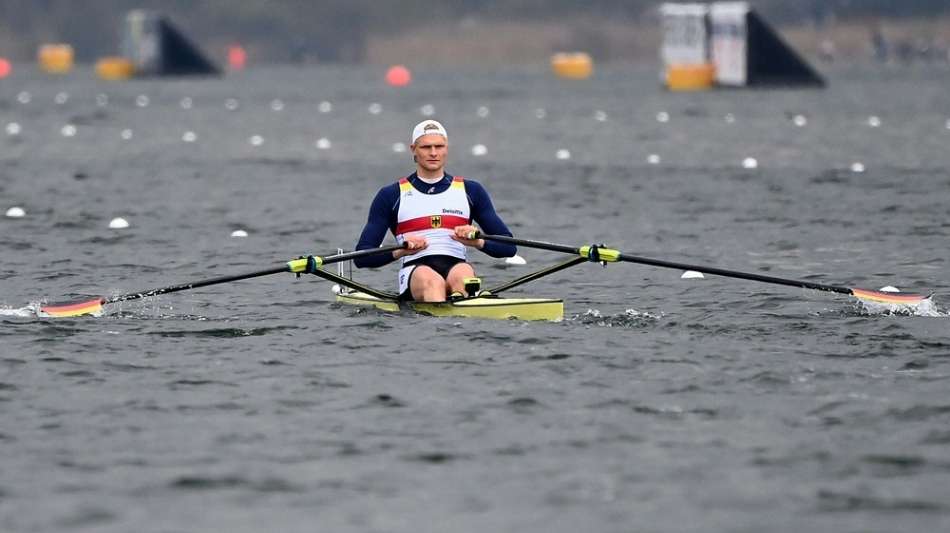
x=237, y=57
x=398, y=76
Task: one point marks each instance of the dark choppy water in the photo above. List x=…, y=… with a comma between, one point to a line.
x=661, y=405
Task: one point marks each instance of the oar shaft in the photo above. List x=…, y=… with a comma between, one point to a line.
x=195, y=284
x=296, y=265
x=734, y=274
x=670, y=264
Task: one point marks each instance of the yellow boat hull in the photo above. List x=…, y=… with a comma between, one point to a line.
x=490, y=307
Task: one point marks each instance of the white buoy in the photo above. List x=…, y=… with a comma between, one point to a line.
x=323, y=143
x=692, y=274
x=857, y=167
x=102, y=100
x=890, y=288
x=563, y=154
x=750, y=162
x=126, y=134
x=189, y=137
x=255, y=140
x=653, y=159
x=874, y=121
x=515, y=260
x=483, y=111
x=600, y=116
x=61, y=98
x=239, y=233
x=16, y=212
x=540, y=113
x=142, y=100
x=663, y=117
x=186, y=102
x=68, y=130
x=13, y=129
x=479, y=150
x=24, y=97
x=375, y=108
x=277, y=105
x=729, y=118
x=232, y=104
x=118, y=223
x=325, y=107
x=427, y=110
x=399, y=147
x=800, y=120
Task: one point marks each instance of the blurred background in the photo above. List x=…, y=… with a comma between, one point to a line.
x=480, y=32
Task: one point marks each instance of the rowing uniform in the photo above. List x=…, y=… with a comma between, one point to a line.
x=413, y=206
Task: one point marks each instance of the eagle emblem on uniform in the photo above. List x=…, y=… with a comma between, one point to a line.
x=436, y=221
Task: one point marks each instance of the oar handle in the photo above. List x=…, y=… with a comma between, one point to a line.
x=523, y=242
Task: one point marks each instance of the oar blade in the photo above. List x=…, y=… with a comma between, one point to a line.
x=888, y=298
x=78, y=308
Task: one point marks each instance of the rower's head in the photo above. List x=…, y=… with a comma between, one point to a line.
x=430, y=146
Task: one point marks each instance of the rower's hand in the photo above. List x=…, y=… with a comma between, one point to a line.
x=461, y=235
x=414, y=245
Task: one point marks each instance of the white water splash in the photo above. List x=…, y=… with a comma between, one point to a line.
x=925, y=308
x=28, y=311
x=629, y=318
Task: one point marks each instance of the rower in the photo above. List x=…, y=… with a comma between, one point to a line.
x=432, y=212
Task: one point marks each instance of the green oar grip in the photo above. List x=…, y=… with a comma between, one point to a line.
x=598, y=253
x=300, y=265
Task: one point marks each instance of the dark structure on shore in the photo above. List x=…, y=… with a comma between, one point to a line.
x=157, y=48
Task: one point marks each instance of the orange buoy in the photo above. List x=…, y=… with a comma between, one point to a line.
x=114, y=68
x=690, y=77
x=55, y=58
x=5, y=68
x=398, y=76
x=237, y=57
x=575, y=66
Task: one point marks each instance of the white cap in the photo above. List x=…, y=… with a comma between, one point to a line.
x=428, y=127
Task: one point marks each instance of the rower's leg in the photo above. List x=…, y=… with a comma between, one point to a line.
x=456, y=280
x=427, y=285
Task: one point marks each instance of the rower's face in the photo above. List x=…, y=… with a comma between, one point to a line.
x=430, y=152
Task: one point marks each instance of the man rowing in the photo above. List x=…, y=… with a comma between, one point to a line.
x=432, y=213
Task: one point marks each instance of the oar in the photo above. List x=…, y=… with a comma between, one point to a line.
x=85, y=307
x=599, y=253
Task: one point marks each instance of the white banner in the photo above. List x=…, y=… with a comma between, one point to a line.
x=730, y=42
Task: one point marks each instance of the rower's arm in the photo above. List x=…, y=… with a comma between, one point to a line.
x=483, y=213
x=381, y=219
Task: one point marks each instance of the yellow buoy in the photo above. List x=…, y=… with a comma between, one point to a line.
x=55, y=58
x=690, y=77
x=114, y=68
x=575, y=66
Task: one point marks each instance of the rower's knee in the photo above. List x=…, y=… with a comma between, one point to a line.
x=427, y=285
x=456, y=279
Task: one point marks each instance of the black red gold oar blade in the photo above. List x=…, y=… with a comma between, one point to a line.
x=78, y=308
x=889, y=298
